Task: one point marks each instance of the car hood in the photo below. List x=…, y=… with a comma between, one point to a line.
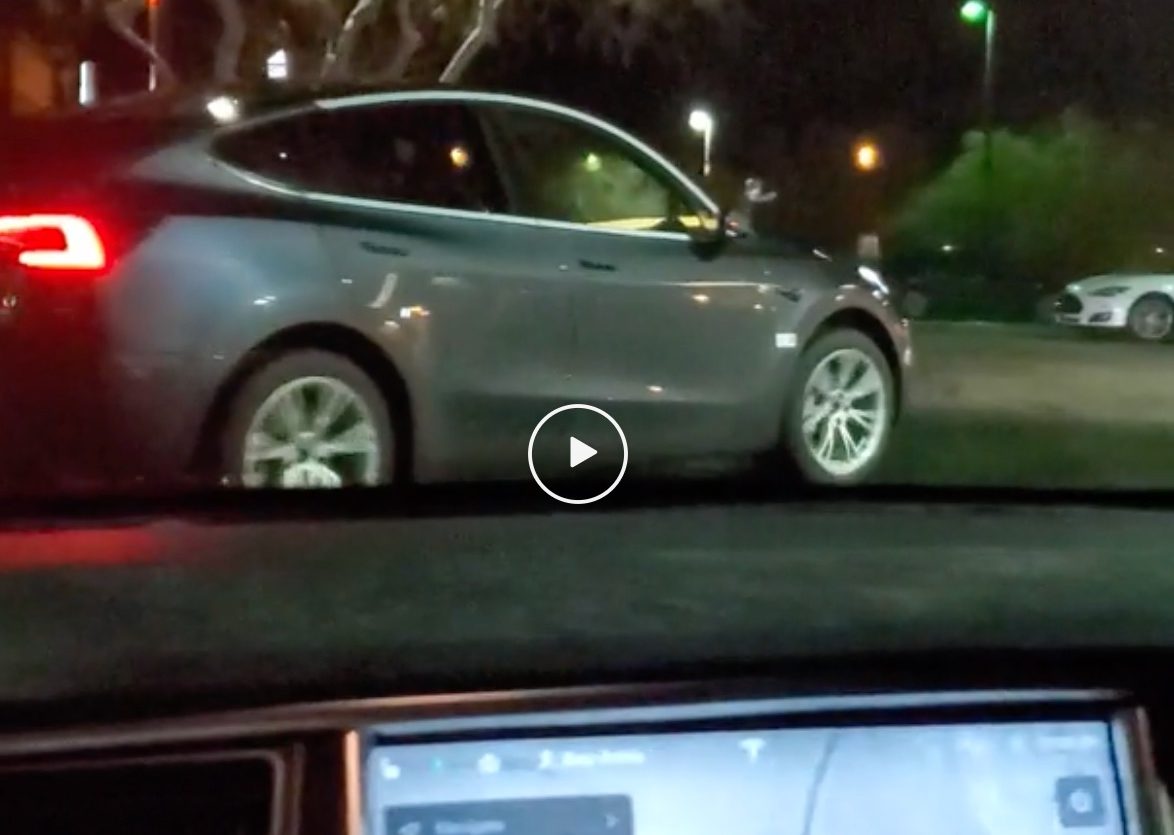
x=838, y=270
x=1132, y=280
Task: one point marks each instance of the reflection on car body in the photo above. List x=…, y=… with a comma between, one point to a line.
x=283, y=302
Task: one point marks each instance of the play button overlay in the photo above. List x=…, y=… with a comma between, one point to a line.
x=580, y=452
x=577, y=454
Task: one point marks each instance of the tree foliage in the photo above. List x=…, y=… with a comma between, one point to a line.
x=1073, y=198
x=386, y=40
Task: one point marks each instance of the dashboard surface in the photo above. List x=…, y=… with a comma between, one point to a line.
x=694, y=757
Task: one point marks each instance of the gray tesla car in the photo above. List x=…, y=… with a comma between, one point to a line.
x=364, y=288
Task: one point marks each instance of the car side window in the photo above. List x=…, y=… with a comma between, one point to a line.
x=423, y=154
x=562, y=170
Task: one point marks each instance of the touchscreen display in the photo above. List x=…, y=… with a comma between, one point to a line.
x=985, y=779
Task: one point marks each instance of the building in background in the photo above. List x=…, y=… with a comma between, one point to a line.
x=28, y=79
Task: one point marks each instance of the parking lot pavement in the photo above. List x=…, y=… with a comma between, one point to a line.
x=1036, y=406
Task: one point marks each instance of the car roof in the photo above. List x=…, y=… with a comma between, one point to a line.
x=132, y=124
x=191, y=101
x=176, y=113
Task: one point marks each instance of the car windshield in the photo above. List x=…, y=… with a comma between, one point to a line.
x=585, y=249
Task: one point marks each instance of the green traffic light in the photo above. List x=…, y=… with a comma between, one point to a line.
x=974, y=11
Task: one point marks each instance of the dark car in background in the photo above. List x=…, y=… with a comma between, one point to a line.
x=359, y=289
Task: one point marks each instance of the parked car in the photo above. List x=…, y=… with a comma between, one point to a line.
x=360, y=288
x=1141, y=304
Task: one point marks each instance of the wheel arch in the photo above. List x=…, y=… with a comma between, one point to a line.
x=1155, y=293
x=321, y=336
x=858, y=319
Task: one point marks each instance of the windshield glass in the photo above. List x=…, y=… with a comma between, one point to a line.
x=583, y=247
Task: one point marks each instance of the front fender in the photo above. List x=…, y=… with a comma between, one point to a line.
x=868, y=310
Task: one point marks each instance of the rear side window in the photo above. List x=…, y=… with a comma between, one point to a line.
x=429, y=154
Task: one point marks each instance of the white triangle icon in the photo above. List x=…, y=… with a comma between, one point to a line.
x=580, y=452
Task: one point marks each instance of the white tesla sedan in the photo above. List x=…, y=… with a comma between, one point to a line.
x=1142, y=303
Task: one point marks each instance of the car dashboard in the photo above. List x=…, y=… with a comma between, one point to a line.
x=623, y=760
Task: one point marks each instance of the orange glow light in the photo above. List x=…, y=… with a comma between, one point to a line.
x=866, y=156
x=459, y=155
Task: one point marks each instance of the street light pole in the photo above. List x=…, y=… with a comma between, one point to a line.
x=981, y=11
x=988, y=93
x=973, y=12
x=701, y=121
x=153, y=39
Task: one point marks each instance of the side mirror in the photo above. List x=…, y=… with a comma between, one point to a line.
x=710, y=228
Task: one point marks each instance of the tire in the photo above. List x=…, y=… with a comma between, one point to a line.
x=356, y=448
x=831, y=354
x=1151, y=319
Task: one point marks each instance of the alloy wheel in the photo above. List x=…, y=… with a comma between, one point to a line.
x=1152, y=319
x=312, y=432
x=845, y=412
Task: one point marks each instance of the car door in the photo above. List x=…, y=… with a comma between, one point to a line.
x=471, y=305
x=676, y=339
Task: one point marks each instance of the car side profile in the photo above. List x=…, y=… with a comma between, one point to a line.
x=378, y=287
x=1140, y=303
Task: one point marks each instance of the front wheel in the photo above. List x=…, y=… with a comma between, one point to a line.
x=841, y=410
x=1151, y=318
x=308, y=419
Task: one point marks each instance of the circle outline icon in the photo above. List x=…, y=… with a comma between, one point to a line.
x=534, y=436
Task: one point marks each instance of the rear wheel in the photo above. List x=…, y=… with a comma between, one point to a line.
x=841, y=409
x=1151, y=318
x=309, y=419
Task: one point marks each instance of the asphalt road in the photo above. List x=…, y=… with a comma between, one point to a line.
x=1036, y=406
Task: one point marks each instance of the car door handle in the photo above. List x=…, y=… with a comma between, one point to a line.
x=789, y=293
x=597, y=266
x=383, y=249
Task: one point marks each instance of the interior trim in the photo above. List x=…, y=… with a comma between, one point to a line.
x=508, y=709
x=352, y=772
x=282, y=792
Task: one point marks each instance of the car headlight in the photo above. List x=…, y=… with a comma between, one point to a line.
x=1108, y=292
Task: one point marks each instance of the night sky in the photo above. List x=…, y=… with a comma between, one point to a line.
x=789, y=69
x=863, y=63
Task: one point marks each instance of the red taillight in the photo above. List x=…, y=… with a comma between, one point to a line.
x=55, y=242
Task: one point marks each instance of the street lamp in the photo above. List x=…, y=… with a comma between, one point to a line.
x=701, y=122
x=976, y=12
x=866, y=156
